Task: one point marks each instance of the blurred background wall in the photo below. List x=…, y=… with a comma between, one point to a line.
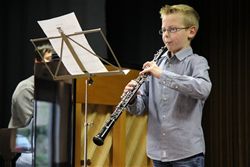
x=132, y=31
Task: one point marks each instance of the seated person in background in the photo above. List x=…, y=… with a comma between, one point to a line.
x=22, y=107
x=22, y=104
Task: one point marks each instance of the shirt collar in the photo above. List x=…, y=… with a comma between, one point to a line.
x=182, y=54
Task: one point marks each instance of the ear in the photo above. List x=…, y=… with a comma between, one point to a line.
x=192, y=32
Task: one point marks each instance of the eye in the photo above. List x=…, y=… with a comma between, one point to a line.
x=172, y=29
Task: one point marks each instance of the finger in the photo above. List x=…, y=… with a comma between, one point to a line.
x=146, y=70
x=146, y=65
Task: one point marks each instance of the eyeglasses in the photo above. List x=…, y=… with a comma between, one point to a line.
x=171, y=30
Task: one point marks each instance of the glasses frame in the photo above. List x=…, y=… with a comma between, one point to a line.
x=172, y=30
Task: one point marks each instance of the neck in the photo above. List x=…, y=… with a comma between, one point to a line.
x=170, y=54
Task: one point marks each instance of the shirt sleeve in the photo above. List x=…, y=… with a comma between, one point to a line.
x=198, y=85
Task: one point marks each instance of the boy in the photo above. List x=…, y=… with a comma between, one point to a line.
x=174, y=93
x=23, y=97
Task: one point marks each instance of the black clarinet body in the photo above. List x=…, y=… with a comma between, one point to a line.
x=100, y=137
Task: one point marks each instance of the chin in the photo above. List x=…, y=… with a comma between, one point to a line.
x=170, y=48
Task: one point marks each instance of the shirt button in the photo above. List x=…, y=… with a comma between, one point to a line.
x=164, y=154
x=163, y=134
x=165, y=99
x=163, y=117
x=164, y=82
x=176, y=87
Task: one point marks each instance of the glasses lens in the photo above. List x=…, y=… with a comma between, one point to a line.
x=173, y=29
x=160, y=31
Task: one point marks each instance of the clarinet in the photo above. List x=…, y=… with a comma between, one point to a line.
x=125, y=99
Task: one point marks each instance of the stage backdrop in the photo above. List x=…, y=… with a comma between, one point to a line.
x=132, y=30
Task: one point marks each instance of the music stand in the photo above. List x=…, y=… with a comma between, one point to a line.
x=67, y=38
x=56, y=76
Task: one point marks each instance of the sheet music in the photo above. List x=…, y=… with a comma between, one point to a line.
x=69, y=25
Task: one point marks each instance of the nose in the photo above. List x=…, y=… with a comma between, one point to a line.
x=165, y=34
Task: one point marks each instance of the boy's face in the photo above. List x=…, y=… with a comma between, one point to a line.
x=176, y=35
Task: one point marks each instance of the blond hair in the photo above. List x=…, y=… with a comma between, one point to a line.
x=190, y=16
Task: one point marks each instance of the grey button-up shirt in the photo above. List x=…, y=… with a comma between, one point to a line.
x=22, y=106
x=174, y=103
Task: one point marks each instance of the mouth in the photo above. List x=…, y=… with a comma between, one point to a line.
x=167, y=43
